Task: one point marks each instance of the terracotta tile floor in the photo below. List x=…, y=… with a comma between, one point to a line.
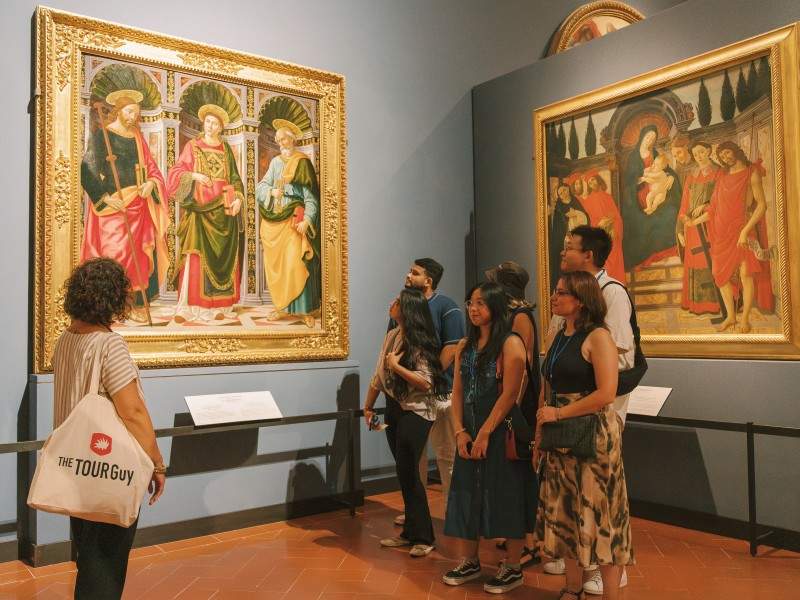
x=333, y=557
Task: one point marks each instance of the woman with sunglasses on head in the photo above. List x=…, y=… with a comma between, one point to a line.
x=490, y=495
x=410, y=375
x=583, y=514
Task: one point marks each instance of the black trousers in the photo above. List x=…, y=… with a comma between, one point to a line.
x=102, y=559
x=407, y=434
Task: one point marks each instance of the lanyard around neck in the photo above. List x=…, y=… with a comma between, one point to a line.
x=557, y=351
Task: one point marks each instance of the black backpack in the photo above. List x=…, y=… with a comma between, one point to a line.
x=630, y=378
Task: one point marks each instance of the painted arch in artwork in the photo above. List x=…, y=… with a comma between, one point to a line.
x=210, y=92
x=283, y=107
x=118, y=76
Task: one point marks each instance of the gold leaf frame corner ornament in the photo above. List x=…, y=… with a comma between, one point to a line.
x=61, y=39
x=783, y=49
x=601, y=8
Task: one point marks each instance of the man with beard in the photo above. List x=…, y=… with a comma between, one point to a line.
x=699, y=292
x=738, y=236
x=288, y=201
x=448, y=320
x=141, y=201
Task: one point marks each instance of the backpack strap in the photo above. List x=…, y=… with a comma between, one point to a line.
x=634, y=324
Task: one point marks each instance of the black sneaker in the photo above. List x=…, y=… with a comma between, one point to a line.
x=506, y=580
x=464, y=572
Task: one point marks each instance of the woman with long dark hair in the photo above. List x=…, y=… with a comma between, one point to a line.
x=490, y=495
x=410, y=375
x=513, y=278
x=583, y=504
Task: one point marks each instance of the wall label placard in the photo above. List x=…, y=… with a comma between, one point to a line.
x=213, y=409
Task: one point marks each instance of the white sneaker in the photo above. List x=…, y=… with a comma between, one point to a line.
x=400, y=520
x=420, y=550
x=395, y=542
x=555, y=567
x=594, y=585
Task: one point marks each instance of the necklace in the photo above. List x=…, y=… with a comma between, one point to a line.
x=557, y=351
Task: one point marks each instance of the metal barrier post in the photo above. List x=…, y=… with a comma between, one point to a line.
x=351, y=460
x=751, y=490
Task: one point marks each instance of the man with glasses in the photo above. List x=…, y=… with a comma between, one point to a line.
x=586, y=249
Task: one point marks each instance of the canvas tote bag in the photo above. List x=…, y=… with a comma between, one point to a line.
x=91, y=466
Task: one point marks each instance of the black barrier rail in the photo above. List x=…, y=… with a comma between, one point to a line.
x=750, y=430
x=351, y=496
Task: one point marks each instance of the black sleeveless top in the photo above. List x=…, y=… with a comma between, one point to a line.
x=564, y=366
x=530, y=399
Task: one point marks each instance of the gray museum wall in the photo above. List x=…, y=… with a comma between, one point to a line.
x=409, y=67
x=695, y=470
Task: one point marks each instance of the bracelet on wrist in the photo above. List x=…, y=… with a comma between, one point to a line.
x=160, y=469
x=462, y=430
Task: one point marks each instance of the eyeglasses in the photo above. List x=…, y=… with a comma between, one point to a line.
x=560, y=293
x=476, y=304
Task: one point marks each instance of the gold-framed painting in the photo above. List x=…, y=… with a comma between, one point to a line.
x=216, y=178
x=693, y=170
x=591, y=21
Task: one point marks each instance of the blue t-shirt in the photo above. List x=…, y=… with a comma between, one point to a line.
x=448, y=321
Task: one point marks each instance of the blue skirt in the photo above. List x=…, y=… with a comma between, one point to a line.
x=494, y=497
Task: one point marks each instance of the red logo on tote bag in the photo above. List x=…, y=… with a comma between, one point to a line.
x=100, y=444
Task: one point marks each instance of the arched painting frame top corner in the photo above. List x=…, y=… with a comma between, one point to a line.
x=583, y=21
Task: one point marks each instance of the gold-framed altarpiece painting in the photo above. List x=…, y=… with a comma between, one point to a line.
x=216, y=178
x=694, y=171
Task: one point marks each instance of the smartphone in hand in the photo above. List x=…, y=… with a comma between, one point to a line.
x=375, y=424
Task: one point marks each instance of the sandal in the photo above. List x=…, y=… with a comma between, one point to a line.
x=567, y=594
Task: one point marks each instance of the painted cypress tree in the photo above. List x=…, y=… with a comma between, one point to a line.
x=752, y=84
x=742, y=99
x=703, y=105
x=561, y=143
x=727, y=103
x=573, y=141
x=590, y=141
x=549, y=138
x=764, y=77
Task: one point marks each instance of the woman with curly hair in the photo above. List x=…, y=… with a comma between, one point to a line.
x=98, y=293
x=409, y=374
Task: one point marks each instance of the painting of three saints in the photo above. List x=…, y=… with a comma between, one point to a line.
x=207, y=193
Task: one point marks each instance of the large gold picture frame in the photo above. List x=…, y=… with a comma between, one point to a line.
x=81, y=64
x=679, y=286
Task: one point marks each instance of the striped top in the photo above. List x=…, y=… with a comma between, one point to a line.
x=72, y=368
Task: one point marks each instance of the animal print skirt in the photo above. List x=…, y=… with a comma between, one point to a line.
x=583, y=510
